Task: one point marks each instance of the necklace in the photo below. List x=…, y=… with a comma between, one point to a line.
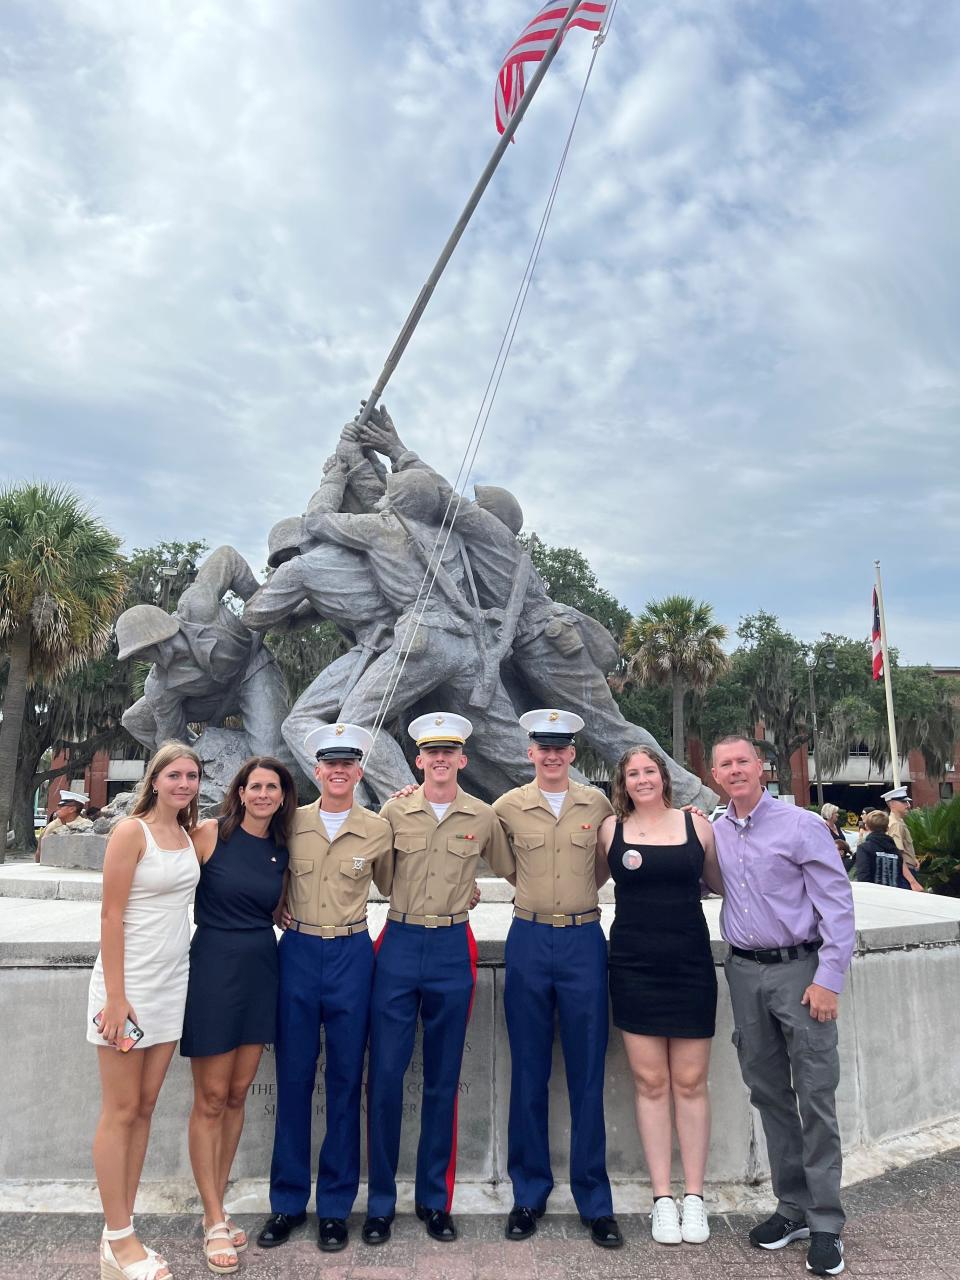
x=651, y=826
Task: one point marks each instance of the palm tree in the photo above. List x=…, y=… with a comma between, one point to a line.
x=61, y=586
x=675, y=642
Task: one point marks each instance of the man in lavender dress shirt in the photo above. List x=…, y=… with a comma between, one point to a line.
x=788, y=916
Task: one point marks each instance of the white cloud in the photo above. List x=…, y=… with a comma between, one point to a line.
x=736, y=373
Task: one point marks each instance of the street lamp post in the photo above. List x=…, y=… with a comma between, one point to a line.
x=813, y=661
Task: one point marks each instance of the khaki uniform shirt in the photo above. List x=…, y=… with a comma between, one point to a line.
x=902, y=838
x=329, y=881
x=436, y=862
x=555, y=856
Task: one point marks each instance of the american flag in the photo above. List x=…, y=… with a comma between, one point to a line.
x=531, y=45
x=875, y=638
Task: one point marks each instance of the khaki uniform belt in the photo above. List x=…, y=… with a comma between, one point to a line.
x=328, y=930
x=428, y=922
x=559, y=921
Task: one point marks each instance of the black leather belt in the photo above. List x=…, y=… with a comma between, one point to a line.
x=778, y=955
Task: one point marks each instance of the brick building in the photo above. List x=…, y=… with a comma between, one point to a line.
x=858, y=783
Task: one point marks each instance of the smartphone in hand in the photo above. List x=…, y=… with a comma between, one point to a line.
x=131, y=1032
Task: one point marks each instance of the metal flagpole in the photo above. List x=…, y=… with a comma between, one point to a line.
x=413, y=319
x=891, y=727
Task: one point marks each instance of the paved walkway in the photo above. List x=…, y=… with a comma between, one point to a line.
x=903, y=1224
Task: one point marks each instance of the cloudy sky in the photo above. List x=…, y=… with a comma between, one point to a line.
x=737, y=374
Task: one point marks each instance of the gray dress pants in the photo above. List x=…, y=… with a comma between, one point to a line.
x=791, y=1065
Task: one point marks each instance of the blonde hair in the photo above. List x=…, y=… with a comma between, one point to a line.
x=829, y=812
x=162, y=758
x=729, y=740
x=876, y=821
x=622, y=804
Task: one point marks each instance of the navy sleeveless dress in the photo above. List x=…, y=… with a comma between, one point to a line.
x=234, y=974
x=662, y=977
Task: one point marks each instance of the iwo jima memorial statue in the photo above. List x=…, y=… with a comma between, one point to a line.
x=433, y=591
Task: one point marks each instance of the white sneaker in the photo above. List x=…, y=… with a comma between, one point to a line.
x=696, y=1228
x=665, y=1221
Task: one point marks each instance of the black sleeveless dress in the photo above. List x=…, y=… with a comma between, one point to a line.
x=234, y=971
x=662, y=977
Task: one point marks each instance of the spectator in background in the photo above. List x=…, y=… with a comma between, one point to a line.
x=899, y=805
x=67, y=816
x=831, y=815
x=879, y=861
x=846, y=857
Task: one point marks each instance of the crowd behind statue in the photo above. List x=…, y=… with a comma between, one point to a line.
x=474, y=660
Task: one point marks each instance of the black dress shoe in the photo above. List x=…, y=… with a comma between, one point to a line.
x=604, y=1231
x=332, y=1235
x=438, y=1222
x=522, y=1223
x=277, y=1228
x=376, y=1230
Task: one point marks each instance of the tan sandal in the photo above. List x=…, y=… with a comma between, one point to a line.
x=238, y=1237
x=147, y=1268
x=218, y=1232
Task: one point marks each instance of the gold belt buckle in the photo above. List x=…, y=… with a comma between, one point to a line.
x=558, y=921
x=328, y=931
x=431, y=922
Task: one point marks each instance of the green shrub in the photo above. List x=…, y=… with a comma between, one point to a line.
x=936, y=838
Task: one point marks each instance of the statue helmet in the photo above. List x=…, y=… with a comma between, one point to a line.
x=414, y=493
x=142, y=626
x=283, y=540
x=500, y=503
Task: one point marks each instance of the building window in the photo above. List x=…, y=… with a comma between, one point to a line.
x=861, y=749
x=946, y=790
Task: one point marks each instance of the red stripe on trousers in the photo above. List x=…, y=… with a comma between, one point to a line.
x=451, y=1174
x=376, y=948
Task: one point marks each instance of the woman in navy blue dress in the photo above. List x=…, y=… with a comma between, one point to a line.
x=232, y=993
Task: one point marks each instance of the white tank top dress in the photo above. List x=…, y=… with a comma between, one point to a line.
x=156, y=943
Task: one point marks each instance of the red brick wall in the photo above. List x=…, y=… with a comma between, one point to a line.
x=94, y=780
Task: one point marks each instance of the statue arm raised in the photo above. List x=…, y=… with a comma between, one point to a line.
x=327, y=523
x=223, y=570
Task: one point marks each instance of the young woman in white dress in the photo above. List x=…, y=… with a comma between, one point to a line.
x=150, y=871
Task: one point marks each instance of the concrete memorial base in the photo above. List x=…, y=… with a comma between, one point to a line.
x=79, y=850
x=899, y=1096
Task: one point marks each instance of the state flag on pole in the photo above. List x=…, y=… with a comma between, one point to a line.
x=875, y=638
x=531, y=45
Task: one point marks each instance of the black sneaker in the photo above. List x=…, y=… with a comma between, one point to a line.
x=825, y=1256
x=778, y=1231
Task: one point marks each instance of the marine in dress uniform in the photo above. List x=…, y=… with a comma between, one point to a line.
x=556, y=964
x=326, y=970
x=898, y=803
x=426, y=966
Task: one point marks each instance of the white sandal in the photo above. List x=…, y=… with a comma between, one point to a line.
x=236, y=1231
x=147, y=1268
x=219, y=1231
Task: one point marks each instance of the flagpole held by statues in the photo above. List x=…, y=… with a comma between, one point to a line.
x=413, y=319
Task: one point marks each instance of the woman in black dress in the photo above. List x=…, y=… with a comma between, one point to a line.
x=232, y=993
x=663, y=984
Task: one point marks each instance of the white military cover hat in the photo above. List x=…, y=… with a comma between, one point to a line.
x=338, y=742
x=77, y=797
x=440, y=729
x=551, y=727
x=896, y=793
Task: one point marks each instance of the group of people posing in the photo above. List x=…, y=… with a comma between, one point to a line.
x=787, y=915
